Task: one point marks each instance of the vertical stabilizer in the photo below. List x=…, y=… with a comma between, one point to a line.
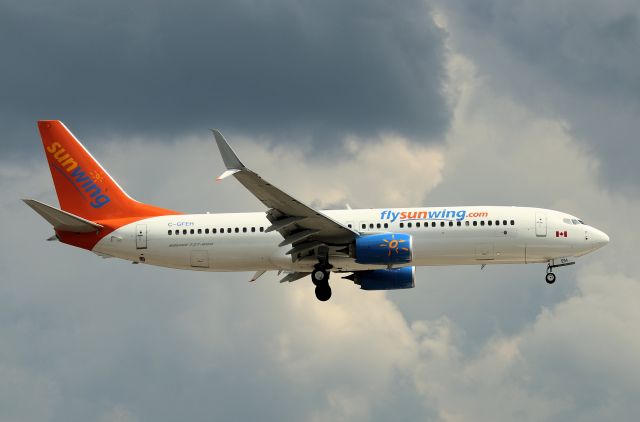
x=83, y=186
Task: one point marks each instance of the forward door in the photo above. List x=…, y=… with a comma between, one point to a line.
x=541, y=224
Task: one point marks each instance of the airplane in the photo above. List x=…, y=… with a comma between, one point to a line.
x=377, y=249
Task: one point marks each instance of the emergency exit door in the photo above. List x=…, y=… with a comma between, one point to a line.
x=141, y=236
x=541, y=224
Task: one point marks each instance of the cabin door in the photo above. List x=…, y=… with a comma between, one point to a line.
x=541, y=224
x=141, y=236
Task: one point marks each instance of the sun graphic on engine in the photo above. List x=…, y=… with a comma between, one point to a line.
x=393, y=245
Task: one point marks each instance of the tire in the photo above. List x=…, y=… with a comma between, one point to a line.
x=319, y=277
x=323, y=293
x=550, y=278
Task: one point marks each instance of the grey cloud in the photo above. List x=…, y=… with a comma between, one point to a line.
x=85, y=339
x=292, y=69
x=572, y=60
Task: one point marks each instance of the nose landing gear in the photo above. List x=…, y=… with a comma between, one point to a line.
x=550, y=277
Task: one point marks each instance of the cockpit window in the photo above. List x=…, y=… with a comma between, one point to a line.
x=572, y=221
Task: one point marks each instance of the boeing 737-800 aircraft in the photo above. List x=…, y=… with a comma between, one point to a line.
x=378, y=249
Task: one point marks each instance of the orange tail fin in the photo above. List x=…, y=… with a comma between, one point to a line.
x=83, y=186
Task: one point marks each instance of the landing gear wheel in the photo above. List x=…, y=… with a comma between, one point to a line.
x=319, y=276
x=323, y=292
x=550, y=278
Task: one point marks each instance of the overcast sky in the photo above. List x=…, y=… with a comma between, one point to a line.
x=370, y=103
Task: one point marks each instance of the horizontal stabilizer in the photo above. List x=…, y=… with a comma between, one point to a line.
x=62, y=220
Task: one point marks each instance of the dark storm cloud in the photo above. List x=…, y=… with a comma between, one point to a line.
x=573, y=60
x=286, y=68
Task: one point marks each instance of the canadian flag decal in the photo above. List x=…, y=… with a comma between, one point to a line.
x=561, y=233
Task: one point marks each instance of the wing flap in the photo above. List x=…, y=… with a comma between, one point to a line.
x=293, y=277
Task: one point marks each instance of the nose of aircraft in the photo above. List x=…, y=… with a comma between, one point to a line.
x=600, y=238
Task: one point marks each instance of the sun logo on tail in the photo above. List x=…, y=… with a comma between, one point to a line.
x=393, y=245
x=96, y=176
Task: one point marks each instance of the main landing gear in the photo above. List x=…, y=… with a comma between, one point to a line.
x=320, y=277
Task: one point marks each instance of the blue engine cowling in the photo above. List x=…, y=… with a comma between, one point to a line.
x=384, y=249
x=392, y=279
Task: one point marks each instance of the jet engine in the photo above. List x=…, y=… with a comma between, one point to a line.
x=384, y=249
x=391, y=279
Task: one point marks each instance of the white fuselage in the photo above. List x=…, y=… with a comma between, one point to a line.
x=441, y=236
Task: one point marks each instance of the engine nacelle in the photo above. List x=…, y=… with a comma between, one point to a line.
x=384, y=249
x=392, y=279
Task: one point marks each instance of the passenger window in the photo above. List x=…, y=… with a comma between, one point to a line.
x=497, y=222
x=261, y=229
x=253, y=229
x=206, y=231
x=482, y=222
x=169, y=232
x=401, y=225
x=489, y=222
x=513, y=223
x=409, y=225
x=418, y=224
x=386, y=225
x=237, y=230
x=349, y=225
x=244, y=230
x=364, y=226
x=199, y=231
x=378, y=225
x=466, y=223
x=450, y=223
x=184, y=231
x=228, y=229
x=192, y=231
x=213, y=231
x=433, y=224
x=442, y=224
x=475, y=222
x=459, y=223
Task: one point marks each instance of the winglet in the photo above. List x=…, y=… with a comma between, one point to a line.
x=229, y=157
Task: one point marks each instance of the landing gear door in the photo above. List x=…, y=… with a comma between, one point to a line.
x=141, y=236
x=541, y=224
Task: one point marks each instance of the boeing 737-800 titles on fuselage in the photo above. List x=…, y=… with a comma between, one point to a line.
x=378, y=249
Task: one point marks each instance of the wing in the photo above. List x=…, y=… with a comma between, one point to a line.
x=306, y=230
